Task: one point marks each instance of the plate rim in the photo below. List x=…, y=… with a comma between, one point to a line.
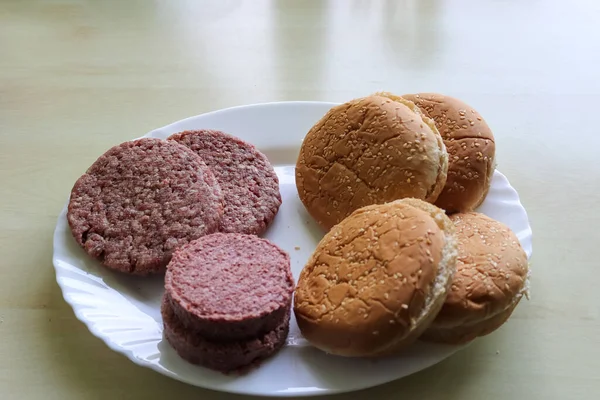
x=243, y=106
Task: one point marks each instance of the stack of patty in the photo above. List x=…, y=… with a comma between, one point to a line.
x=204, y=196
x=227, y=300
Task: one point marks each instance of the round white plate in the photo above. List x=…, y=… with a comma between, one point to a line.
x=124, y=311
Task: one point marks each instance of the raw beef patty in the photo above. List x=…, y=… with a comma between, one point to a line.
x=248, y=181
x=139, y=201
x=229, y=286
x=224, y=356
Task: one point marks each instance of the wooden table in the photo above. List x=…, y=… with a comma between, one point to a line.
x=79, y=76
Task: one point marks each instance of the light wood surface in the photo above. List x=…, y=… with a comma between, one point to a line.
x=79, y=76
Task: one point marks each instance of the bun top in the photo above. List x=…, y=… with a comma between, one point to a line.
x=454, y=118
x=491, y=271
x=368, y=151
x=372, y=277
x=471, y=150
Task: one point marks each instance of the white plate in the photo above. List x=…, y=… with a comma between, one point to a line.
x=124, y=311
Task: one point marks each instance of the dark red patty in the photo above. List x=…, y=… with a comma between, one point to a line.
x=224, y=356
x=248, y=181
x=139, y=201
x=230, y=286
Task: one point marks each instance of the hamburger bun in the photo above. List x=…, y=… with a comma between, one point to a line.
x=367, y=151
x=377, y=279
x=471, y=150
x=491, y=278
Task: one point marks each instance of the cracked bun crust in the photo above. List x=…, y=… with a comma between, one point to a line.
x=471, y=150
x=377, y=279
x=491, y=278
x=367, y=151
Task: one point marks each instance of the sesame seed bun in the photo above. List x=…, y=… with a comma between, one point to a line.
x=367, y=151
x=377, y=279
x=471, y=150
x=491, y=278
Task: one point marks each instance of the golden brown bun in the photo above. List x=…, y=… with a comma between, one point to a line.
x=491, y=277
x=471, y=150
x=377, y=279
x=463, y=334
x=369, y=151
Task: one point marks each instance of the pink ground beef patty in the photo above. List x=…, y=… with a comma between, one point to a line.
x=224, y=356
x=141, y=200
x=249, y=183
x=229, y=286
